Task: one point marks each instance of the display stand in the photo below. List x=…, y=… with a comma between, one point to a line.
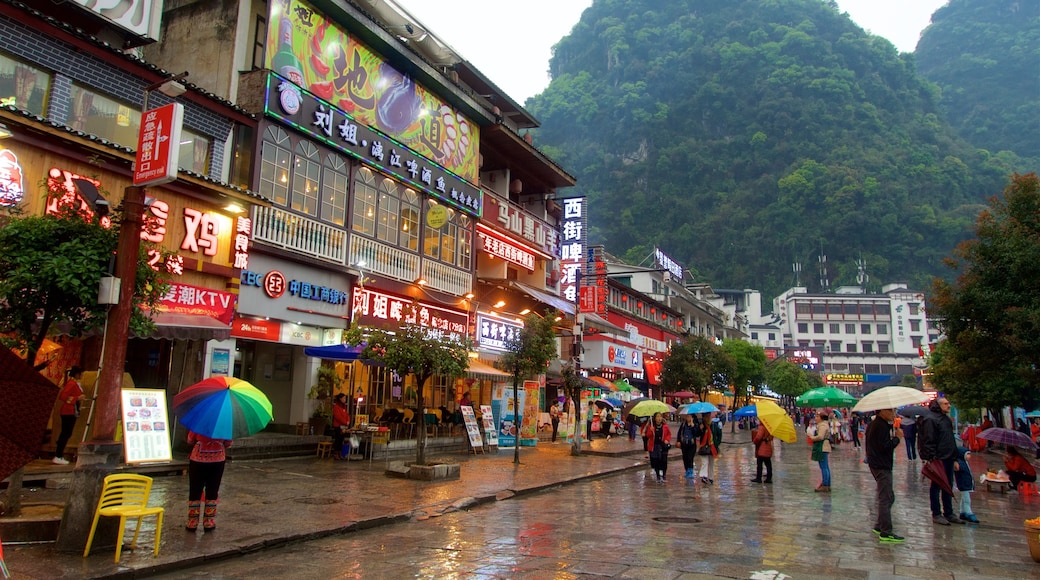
x=476, y=442
x=490, y=433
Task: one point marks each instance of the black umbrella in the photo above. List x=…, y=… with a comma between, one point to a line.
x=603, y=404
x=913, y=411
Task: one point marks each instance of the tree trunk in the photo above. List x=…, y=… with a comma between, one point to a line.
x=575, y=395
x=420, y=441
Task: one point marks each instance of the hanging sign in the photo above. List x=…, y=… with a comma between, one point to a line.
x=158, y=145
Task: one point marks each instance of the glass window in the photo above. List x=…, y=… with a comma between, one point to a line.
x=835, y=328
x=334, y=190
x=916, y=341
x=868, y=347
x=864, y=329
x=850, y=329
x=882, y=347
x=104, y=117
x=410, y=220
x=850, y=347
x=275, y=156
x=835, y=346
x=817, y=328
x=803, y=327
x=306, y=169
x=432, y=238
x=453, y=242
x=754, y=336
x=834, y=309
x=23, y=86
x=915, y=325
x=882, y=329
x=915, y=308
x=465, y=234
x=819, y=308
x=242, y=145
x=883, y=310
x=772, y=336
x=194, y=152
x=389, y=211
x=365, y=202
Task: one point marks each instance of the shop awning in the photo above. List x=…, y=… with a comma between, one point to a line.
x=335, y=352
x=597, y=322
x=545, y=298
x=479, y=370
x=183, y=326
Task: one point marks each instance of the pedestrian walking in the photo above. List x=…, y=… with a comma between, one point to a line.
x=854, y=424
x=633, y=426
x=707, y=450
x=965, y=484
x=554, y=418
x=820, y=436
x=340, y=425
x=660, y=437
x=70, y=396
x=937, y=442
x=205, y=470
x=646, y=438
x=763, y=454
x=686, y=438
x=909, y=429
x=882, y=438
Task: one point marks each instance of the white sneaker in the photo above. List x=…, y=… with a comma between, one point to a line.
x=60, y=461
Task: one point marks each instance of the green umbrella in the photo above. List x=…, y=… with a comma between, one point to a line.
x=649, y=407
x=825, y=397
x=623, y=386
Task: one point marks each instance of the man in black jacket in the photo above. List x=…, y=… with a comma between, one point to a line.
x=937, y=441
x=881, y=440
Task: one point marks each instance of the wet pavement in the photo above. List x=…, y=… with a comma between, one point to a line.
x=290, y=518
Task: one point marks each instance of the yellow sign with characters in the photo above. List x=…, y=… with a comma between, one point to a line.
x=437, y=216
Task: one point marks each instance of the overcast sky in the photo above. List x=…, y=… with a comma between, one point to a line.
x=510, y=42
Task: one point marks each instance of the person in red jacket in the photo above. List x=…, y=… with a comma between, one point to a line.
x=659, y=441
x=340, y=425
x=763, y=453
x=70, y=395
x=1018, y=468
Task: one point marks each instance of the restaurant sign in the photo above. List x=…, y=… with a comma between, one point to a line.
x=572, y=252
x=495, y=333
x=317, y=118
x=374, y=308
x=843, y=380
x=510, y=252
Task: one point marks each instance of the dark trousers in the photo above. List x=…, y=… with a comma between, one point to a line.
x=911, y=446
x=934, y=492
x=768, y=462
x=659, y=463
x=855, y=436
x=68, y=423
x=1017, y=476
x=689, y=451
x=337, y=440
x=646, y=441
x=556, y=427
x=204, y=477
x=885, y=498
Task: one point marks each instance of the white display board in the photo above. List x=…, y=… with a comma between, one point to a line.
x=472, y=429
x=488, y=419
x=146, y=426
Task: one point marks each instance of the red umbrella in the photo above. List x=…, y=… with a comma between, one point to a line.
x=26, y=401
x=682, y=394
x=935, y=471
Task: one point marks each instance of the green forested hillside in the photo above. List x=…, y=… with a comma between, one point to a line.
x=985, y=56
x=743, y=135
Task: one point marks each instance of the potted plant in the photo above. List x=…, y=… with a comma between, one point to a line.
x=327, y=384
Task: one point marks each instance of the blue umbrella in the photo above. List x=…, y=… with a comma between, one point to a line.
x=343, y=352
x=616, y=402
x=698, y=408
x=749, y=411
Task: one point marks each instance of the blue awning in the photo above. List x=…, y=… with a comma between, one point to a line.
x=336, y=352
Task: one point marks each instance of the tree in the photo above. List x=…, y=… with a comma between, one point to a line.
x=749, y=370
x=50, y=270
x=418, y=350
x=696, y=364
x=787, y=379
x=990, y=315
x=527, y=355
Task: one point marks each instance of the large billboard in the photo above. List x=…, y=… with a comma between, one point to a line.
x=318, y=55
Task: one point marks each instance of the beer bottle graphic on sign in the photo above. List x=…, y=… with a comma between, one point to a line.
x=284, y=62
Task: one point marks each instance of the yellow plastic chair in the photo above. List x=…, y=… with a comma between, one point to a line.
x=125, y=495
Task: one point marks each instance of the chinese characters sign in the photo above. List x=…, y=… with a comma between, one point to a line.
x=495, y=333
x=500, y=248
x=572, y=251
x=315, y=53
x=378, y=309
x=520, y=223
x=158, y=145
x=843, y=380
x=202, y=234
x=275, y=284
x=12, y=187
x=188, y=299
x=319, y=119
x=661, y=260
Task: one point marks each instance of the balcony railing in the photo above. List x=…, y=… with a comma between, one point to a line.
x=446, y=278
x=379, y=258
x=299, y=234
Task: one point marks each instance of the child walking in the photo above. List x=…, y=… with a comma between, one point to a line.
x=965, y=483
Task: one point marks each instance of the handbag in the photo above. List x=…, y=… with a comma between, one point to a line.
x=817, y=451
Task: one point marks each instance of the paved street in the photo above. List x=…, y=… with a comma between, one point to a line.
x=622, y=525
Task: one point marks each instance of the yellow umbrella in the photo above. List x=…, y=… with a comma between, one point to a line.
x=776, y=420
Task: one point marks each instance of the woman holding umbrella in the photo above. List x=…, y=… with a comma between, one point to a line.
x=659, y=438
x=205, y=470
x=821, y=449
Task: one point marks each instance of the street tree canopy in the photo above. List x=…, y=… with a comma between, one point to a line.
x=787, y=379
x=990, y=315
x=749, y=369
x=50, y=269
x=696, y=364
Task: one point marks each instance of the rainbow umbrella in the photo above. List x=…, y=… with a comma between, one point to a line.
x=223, y=408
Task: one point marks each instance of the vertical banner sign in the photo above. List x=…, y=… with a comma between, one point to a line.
x=472, y=429
x=529, y=421
x=146, y=428
x=158, y=145
x=488, y=419
x=572, y=249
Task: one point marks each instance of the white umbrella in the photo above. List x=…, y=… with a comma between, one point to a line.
x=890, y=398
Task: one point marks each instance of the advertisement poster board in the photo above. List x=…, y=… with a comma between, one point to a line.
x=472, y=429
x=221, y=362
x=509, y=428
x=567, y=421
x=529, y=414
x=488, y=418
x=146, y=426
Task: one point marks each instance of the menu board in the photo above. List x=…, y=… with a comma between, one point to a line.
x=472, y=429
x=146, y=427
x=488, y=419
